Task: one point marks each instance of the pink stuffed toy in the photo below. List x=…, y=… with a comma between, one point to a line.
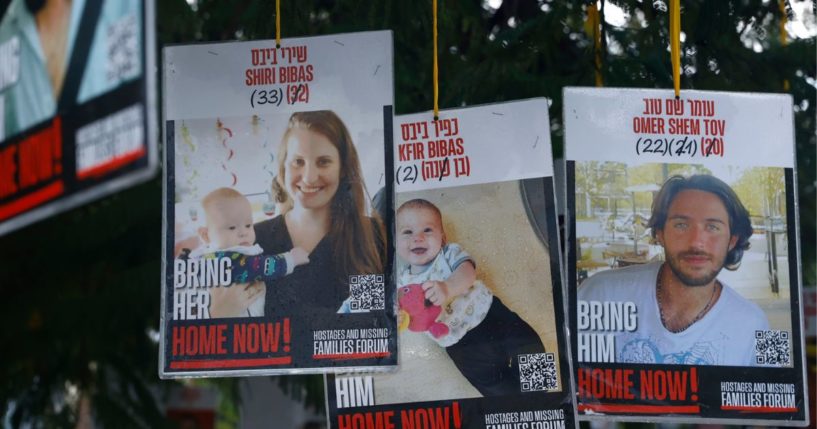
x=422, y=313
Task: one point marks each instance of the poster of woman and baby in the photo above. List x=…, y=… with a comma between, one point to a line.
x=277, y=248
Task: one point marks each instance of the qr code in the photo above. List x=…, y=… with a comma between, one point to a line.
x=772, y=348
x=537, y=372
x=123, y=49
x=367, y=292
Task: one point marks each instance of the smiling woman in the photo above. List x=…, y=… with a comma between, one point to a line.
x=320, y=183
x=312, y=167
x=324, y=211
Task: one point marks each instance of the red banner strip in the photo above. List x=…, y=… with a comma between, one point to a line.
x=641, y=409
x=353, y=356
x=31, y=200
x=111, y=165
x=759, y=409
x=229, y=363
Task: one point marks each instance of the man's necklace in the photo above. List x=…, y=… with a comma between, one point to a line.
x=700, y=315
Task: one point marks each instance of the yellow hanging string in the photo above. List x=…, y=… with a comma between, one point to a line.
x=675, y=44
x=594, y=21
x=435, y=75
x=277, y=23
x=784, y=17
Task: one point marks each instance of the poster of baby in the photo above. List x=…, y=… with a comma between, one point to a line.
x=683, y=256
x=479, y=303
x=277, y=207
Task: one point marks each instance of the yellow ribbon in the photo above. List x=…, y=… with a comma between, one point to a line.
x=594, y=22
x=675, y=43
x=277, y=23
x=783, y=35
x=435, y=73
x=784, y=19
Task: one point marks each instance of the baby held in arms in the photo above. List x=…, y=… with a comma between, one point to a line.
x=229, y=239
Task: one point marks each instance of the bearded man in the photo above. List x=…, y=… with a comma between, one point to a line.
x=685, y=315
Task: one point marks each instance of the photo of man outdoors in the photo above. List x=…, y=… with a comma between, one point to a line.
x=674, y=308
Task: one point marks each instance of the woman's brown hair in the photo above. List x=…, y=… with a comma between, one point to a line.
x=358, y=241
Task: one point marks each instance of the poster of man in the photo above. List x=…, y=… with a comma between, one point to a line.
x=698, y=234
x=683, y=267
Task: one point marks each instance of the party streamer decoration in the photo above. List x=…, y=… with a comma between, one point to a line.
x=189, y=149
x=230, y=152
